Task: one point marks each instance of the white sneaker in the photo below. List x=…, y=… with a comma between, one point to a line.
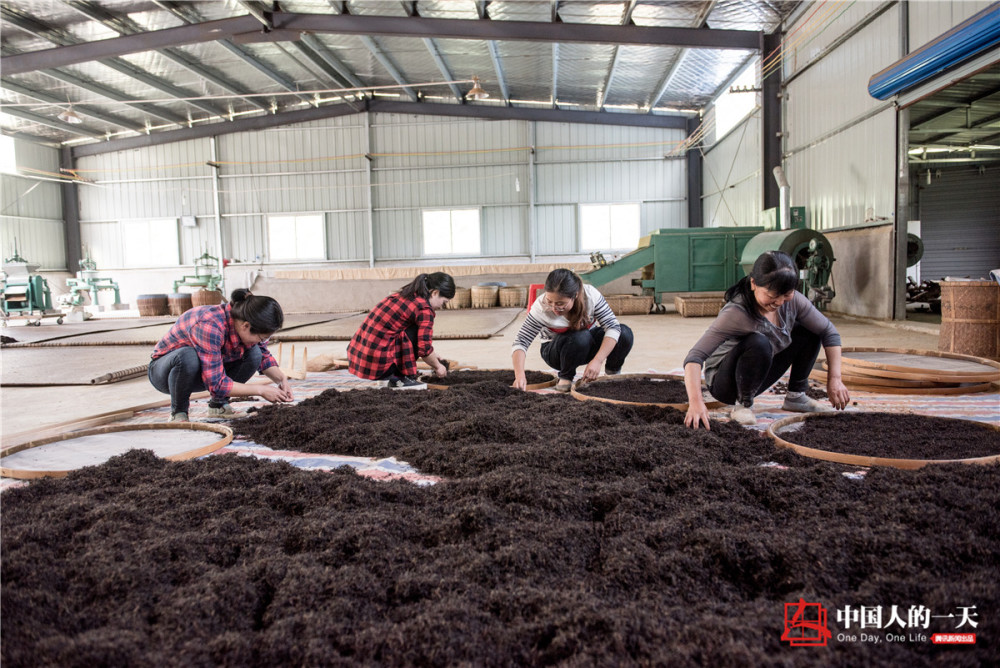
x=743, y=415
x=804, y=404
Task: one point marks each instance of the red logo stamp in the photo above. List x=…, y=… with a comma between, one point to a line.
x=805, y=625
x=954, y=638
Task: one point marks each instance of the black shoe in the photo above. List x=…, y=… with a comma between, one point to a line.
x=406, y=383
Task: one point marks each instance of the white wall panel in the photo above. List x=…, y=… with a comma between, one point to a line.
x=834, y=91
x=398, y=234
x=850, y=180
x=663, y=215
x=504, y=230
x=731, y=177
x=104, y=242
x=38, y=240
x=556, y=229
x=347, y=236
x=245, y=237
x=401, y=141
x=928, y=20
x=581, y=142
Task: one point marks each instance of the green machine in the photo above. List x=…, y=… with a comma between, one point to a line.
x=88, y=281
x=25, y=293
x=682, y=260
x=812, y=253
x=206, y=274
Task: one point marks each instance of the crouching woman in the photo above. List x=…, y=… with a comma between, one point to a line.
x=765, y=328
x=219, y=348
x=577, y=327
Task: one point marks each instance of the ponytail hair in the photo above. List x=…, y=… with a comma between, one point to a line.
x=774, y=270
x=263, y=313
x=424, y=284
x=566, y=283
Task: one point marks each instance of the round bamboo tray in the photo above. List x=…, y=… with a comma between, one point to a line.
x=532, y=386
x=862, y=460
x=964, y=368
x=651, y=376
x=225, y=433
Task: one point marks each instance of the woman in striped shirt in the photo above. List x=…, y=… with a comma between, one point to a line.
x=577, y=327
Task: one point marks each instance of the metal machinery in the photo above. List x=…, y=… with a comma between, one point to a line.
x=206, y=274
x=813, y=256
x=88, y=281
x=25, y=293
x=681, y=260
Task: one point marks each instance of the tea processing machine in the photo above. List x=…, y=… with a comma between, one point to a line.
x=87, y=281
x=206, y=274
x=25, y=293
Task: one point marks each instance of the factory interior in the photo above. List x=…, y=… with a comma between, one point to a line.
x=161, y=157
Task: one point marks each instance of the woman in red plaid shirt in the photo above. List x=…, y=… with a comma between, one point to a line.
x=219, y=348
x=398, y=331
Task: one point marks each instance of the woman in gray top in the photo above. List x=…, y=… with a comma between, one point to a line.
x=765, y=327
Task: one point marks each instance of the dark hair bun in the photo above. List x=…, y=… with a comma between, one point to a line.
x=239, y=294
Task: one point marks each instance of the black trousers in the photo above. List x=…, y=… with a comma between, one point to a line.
x=394, y=371
x=750, y=367
x=568, y=351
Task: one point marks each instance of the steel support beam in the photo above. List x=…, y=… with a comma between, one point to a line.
x=694, y=178
x=71, y=213
x=348, y=24
x=53, y=123
x=491, y=112
x=82, y=109
x=498, y=68
x=770, y=110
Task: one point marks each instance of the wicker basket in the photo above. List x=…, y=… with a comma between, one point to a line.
x=207, y=298
x=462, y=299
x=629, y=304
x=485, y=296
x=514, y=297
x=970, y=318
x=150, y=305
x=698, y=306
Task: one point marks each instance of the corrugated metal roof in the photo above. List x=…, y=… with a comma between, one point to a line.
x=139, y=91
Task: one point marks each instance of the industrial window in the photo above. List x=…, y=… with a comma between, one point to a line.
x=296, y=237
x=609, y=227
x=8, y=159
x=451, y=232
x=150, y=243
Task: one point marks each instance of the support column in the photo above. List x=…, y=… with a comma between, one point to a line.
x=694, y=179
x=770, y=96
x=532, y=220
x=370, y=189
x=217, y=206
x=898, y=288
x=69, y=194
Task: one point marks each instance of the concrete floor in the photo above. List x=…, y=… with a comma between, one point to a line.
x=661, y=343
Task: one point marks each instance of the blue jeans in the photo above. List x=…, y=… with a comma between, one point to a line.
x=178, y=373
x=568, y=351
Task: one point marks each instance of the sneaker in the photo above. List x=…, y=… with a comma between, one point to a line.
x=223, y=411
x=179, y=417
x=406, y=383
x=563, y=386
x=743, y=415
x=805, y=404
x=612, y=372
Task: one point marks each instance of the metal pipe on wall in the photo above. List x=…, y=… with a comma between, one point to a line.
x=217, y=203
x=784, y=205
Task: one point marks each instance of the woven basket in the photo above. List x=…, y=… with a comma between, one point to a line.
x=485, y=296
x=629, y=304
x=698, y=306
x=179, y=302
x=207, y=298
x=970, y=318
x=514, y=297
x=462, y=299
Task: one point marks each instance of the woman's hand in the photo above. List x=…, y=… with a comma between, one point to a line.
x=592, y=370
x=697, y=414
x=520, y=381
x=276, y=393
x=441, y=370
x=837, y=392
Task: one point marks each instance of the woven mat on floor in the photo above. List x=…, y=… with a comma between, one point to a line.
x=448, y=324
x=57, y=366
x=49, y=331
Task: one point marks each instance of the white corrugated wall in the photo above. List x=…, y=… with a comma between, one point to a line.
x=731, y=179
x=929, y=19
x=404, y=164
x=31, y=208
x=839, y=142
